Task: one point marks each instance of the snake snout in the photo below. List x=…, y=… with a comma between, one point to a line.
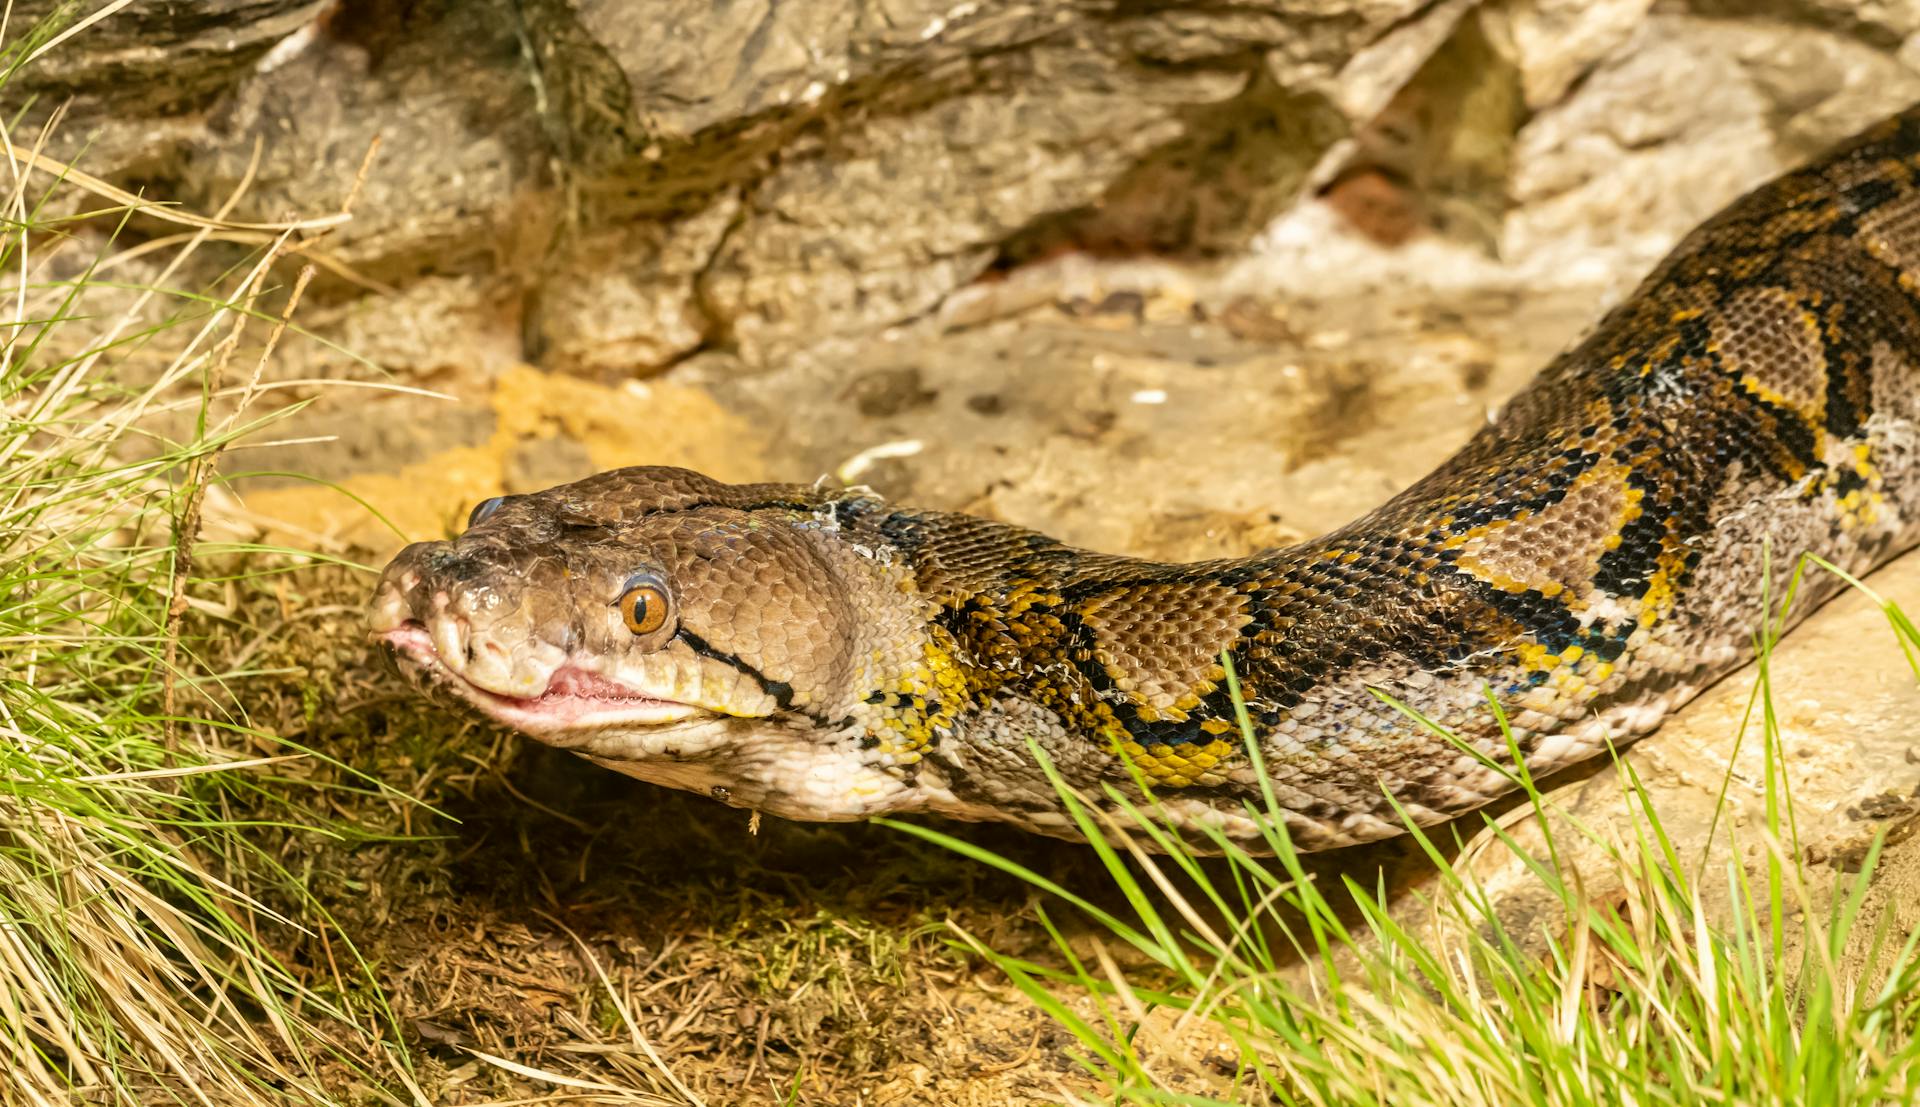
x=443, y=608
x=395, y=603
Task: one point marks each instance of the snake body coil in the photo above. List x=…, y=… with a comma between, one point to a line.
x=1593, y=558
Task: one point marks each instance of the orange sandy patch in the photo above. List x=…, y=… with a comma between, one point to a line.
x=635, y=423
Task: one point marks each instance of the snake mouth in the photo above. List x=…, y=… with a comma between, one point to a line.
x=574, y=699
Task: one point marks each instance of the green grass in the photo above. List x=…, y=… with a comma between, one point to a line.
x=1323, y=992
x=138, y=957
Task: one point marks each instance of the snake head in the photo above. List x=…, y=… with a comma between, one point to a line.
x=703, y=635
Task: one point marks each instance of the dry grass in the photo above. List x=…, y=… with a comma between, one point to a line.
x=137, y=958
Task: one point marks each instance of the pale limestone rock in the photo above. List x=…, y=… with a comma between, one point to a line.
x=1556, y=42
x=140, y=81
x=1878, y=23
x=1656, y=141
x=459, y=143
x=846, y=238
x=1368, y=82
x=628, y=299
x=1687, y=115
x=765, y=176
x=887, y=153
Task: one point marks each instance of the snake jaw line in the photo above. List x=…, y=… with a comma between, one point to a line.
x=568, y=700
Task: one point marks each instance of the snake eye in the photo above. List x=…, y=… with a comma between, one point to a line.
x=644, y=605
x=483, y=509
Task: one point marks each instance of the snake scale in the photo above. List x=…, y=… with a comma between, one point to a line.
x=1592, y=558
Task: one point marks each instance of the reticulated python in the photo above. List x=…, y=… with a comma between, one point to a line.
x=1593, y=559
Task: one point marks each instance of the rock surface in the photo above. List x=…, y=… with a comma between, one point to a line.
x=620, y=194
